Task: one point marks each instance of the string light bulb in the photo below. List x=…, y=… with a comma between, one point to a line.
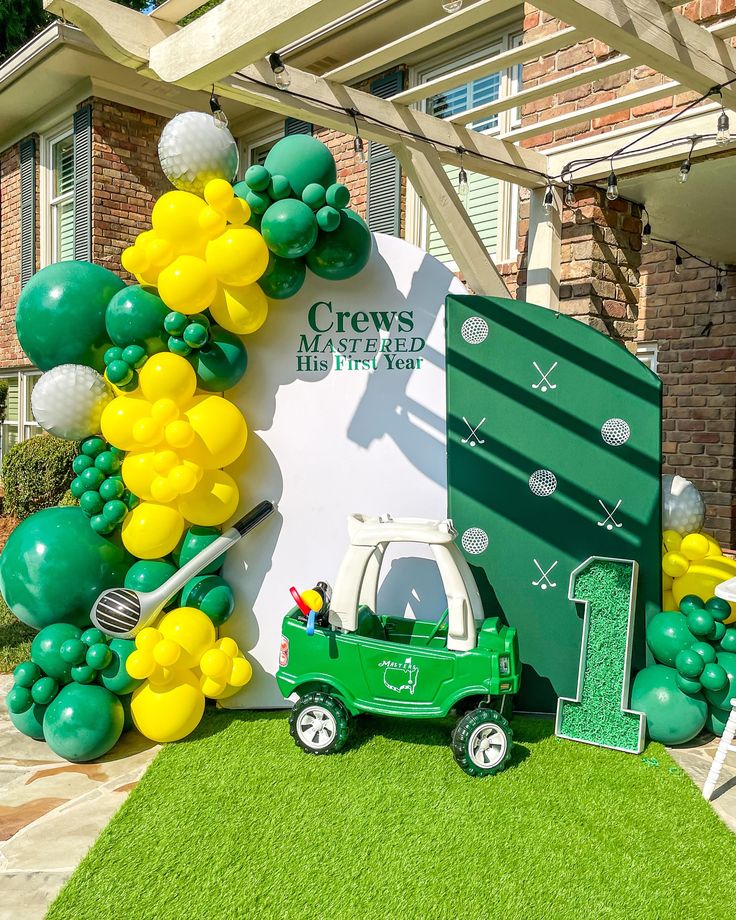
x=218, y=116
x=358, y=145
x=570, y=196
x=684, y=173
x=281, y=74
x=463, y=183
x=678, y=261
x=719, y=284
x=549, y=199
x=723, y=129
x=646, y=233
x=612, y=189
x=452, y=6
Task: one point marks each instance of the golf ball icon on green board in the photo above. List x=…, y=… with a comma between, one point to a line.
x=564, y=466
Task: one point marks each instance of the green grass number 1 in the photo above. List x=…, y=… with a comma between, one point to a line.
x=599, y=713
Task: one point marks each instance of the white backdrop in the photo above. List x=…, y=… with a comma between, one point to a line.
x=327, y=443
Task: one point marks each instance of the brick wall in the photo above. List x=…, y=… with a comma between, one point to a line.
x=695, y=332
x=11, y=354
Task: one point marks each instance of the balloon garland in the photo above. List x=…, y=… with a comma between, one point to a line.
x=136, y=374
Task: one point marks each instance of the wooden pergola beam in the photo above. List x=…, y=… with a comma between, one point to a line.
x=175, y=10
x=328, y=104
x=424, y=169
x=651, y=33
x=506, y=59
x=436, y=31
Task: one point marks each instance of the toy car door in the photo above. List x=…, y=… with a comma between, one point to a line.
x=405, y=676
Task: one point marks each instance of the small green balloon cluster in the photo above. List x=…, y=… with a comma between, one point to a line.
x=122, y=365
x=694, y=680
x=69, y=692
x=208, y=591
x=99, y=486
x=186, y=333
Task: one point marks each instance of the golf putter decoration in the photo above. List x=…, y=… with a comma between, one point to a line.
x=122, y=612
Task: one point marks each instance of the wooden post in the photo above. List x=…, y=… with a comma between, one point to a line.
x=543, y=254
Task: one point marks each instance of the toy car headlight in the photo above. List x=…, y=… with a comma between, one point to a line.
x=284, y=652
x=504, y=665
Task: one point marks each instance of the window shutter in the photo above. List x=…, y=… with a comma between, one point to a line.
x=383, y=209
x=27, y=209
x=296, y=126
x=83, y=183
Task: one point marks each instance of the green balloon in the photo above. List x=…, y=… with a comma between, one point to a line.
x=258, y=202
x=689, y=663
x=314, y=196
x=114, y=677
x=673, y=717
x=719, y=608
x=73, y=651
x=54, y=566
x=303, y=160
x=338, y=196
x=83, y=673
x=328, y=219
x=716, y=721
x=99, y=656
x=706, y=652
x=279, y=188
x=221, y=363
x=44, y=690
x=29, y=721
x=668, y=634
x=289, y=228
x=343, y=252
x=83, y=722
x=26, y=674
x=256, y=178
x=125, y=700
x=60, y=318
x=149, y=574
x=46, y=650
x=699, y=622
x=195, y=539
x=714, y=677
x=212, y=595
x=283, y=277
x=721, y=698
x=687, y=685
x=18, y=698
x=135, y=316
x=728, y=642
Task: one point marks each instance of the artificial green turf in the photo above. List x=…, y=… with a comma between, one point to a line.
x=15, y=639
x=238, y=823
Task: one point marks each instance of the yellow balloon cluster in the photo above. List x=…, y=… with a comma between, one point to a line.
x=201, y=255
x=181, y=662
x=177, y=443
x=693, y=564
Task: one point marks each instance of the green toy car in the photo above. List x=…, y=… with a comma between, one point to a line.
x=340, y=659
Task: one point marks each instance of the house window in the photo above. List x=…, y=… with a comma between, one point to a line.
x=255, y=153
x=18, y=424
x=492, y=204
x=646, y=352
x=58, y=197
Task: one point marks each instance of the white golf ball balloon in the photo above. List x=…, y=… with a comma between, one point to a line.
x=683, y=508
x=193, y=150
x=68, y=401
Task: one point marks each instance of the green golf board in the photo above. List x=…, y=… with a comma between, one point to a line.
x=554, y=455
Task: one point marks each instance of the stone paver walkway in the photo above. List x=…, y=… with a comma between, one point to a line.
x=51, y=811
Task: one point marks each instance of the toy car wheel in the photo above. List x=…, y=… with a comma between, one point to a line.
x=319, y=723
x=481, y=742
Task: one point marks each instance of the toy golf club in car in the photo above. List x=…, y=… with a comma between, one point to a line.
x=341, y=659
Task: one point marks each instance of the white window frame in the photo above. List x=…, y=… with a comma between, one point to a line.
x=417, y=223
x=48, y=200
x=247, y=146
x=26, y=425
x=647, y=353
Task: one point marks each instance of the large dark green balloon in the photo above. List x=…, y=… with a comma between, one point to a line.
x=195, y=539
x=343, y=252
x=60, y=317
x=221, y=363
x=283, y=278
x=135, y=316
x=289, y=228
x=212, y=595
x=30, y=720
x=149, y=574
x=673, y=717
x=83, y=722
x=303, y=160
x=668, y=634
x=54, y=566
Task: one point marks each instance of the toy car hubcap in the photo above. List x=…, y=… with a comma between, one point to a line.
x=316, y=727
x=487, y=746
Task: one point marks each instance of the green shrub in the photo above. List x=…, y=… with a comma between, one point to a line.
x=37, y=473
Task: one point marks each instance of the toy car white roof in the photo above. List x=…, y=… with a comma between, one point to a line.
x=372, y=531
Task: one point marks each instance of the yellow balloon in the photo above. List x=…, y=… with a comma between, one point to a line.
x=176, y=218
x=229, y=646
x=163, y=490
x=238, y=212
x=675, y=564
x=170, y=710
x=213, y=500
x=169, y=377
x=667, y=582
x=241, y=310
x=714, y=547
x=220, y=431
x=166, y=653
x=216, y=664
x=701, y=579
x=134, y=260
x=147, y=638
x=695, y=546
x=671, y=540
x=140, y=664
x=192, y=630
x=139, y=471
x=218, y=193
x=183, y=478
x=668, y=601
x=238, y=256
x=212, y=688
x=151, y=530
x=241, y=673
x=147, y=432
x=212, y=222
x=160, y=252
x=187, y=285
x=119, y=418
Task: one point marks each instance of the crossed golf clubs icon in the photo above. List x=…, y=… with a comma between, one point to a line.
x=543, y=581
x=609, y=522
x=544, y=382
x=473, y=437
